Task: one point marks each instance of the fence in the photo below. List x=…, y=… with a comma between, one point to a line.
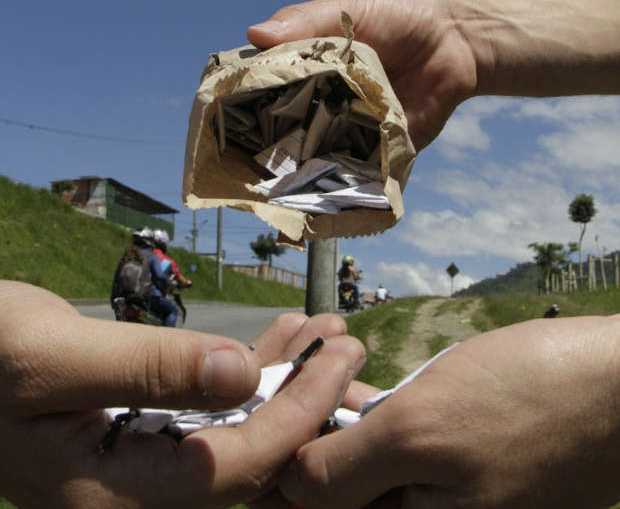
x=267, y=273
x=597, y=273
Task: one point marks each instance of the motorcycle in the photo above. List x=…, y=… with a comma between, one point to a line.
x=134, y=311
x=137, y=310
x=347, y=297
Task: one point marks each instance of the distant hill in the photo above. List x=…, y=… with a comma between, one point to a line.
x=523, y=279
x=47, y=243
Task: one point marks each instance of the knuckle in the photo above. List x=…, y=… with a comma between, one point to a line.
x=157, y=368
x=292, y=320
x=312, y=479
x=354, y=348
x=289, y=11
x=331, y=324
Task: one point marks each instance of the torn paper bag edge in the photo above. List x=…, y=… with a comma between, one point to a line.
x=284, y=65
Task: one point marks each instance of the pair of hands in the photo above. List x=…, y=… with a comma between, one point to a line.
x=59, y=369
x=522, y=416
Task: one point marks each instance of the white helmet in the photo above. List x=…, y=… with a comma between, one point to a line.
x=144, y=233
x=161, y=237
x=143, y=236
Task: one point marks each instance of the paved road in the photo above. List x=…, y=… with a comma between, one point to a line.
x=235, y=321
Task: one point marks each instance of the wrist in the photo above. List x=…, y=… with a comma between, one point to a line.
x=544, y=48
x=466, y=18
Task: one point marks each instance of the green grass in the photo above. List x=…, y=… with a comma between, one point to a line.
x=454, y=306
x=503, y=310
x=389, y=325
x=45, y=242
x=438, y=343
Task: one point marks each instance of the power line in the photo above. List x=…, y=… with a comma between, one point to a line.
x=80, y=134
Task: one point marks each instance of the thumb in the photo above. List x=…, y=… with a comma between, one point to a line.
x=68, y=363
x=303, y=21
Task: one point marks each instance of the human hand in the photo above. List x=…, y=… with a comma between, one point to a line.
x=429, y=62
x=525, y=416
x=58, y=369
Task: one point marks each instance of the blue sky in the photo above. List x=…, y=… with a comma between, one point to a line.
x=499, y=177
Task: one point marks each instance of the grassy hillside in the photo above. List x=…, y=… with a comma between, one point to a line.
x=384, y=329
x=522, y=278
x=502, y=310
x=45, y=242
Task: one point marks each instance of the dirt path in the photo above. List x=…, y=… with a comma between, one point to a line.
x=454, y=323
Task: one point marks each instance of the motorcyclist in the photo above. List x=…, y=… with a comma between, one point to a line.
x=381, y=295
x=150, y=285
x=135, y=253
x=161, y=240
x=177, y=279
x=348, y=276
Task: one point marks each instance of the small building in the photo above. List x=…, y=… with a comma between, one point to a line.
x=108, y=199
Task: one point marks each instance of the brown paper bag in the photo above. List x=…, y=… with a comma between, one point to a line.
x=220, y=169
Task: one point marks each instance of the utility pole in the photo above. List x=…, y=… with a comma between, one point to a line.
x=194, y=231
x=336, y=263
x=321, y=276
x=220, y=257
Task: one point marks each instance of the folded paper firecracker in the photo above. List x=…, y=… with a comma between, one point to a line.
x=180, y=423
x=309, y=136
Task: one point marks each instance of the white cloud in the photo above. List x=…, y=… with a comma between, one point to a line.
x=591, y=146
x=504, y=211
x=420, y=279
x=464, y=131
x=568, y=110
x=497, y=210
x=585, y=131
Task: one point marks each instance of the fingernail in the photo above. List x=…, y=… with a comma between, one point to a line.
x=274, y=26
x=224, y=373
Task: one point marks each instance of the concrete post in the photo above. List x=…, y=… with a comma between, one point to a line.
x=220, y=253
x=321, y=276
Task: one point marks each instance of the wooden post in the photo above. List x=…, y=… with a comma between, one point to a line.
x=592, y=272
x=603, y=276
x=617, y=269
x=575, y=283
x=564, y=288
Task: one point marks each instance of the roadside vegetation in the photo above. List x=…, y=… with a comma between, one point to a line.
x=46, y=243
x=384, y=329
x=454, y=306
x=502, y=310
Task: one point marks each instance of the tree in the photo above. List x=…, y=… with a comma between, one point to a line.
x=265, y=248
x=573, y=247
x=550, y=257
x=581, y=210
x=452, y=271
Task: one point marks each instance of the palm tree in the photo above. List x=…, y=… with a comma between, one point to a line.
x=550, y=257
x=581, y=210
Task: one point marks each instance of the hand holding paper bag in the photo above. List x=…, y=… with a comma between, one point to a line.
x=259, y=116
